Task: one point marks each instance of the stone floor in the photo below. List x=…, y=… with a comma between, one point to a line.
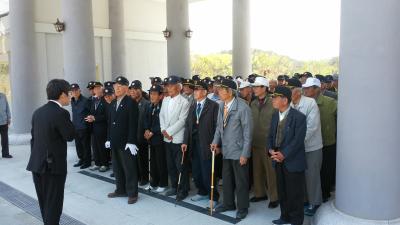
x=86, y=200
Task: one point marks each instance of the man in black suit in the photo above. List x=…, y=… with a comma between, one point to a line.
x=98, y=118
x=122, y=139
x=200, y=127
x=51, y=129
x=286, y=148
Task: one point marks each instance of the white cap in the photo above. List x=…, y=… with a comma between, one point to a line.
x=312, y=82
x=244, y=84
x=261, y=81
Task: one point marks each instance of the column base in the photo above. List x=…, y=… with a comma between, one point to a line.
x=19, y=139
x=328, y=214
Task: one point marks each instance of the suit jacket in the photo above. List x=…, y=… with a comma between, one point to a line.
x=292, y=146
x=174, y=124
x=51, y=129
x=152, y=123
x=122, y=127
x=100, y=115
x=206, y=127
x=235, y=139
x=143, y=105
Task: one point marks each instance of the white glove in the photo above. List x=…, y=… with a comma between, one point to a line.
x=107, y=144
x=132, y=148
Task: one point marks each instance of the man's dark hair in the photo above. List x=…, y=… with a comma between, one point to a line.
x=56, y=87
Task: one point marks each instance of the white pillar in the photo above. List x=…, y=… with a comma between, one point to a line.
x=116, y=17
x=24, y=75
x=178, y=44
x=78, y=39
x=368, y=183
x=241, y=50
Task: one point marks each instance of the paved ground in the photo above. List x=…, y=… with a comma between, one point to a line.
x=86, y=201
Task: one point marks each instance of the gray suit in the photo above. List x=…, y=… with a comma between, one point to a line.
x=235, y=140
x=5, y=114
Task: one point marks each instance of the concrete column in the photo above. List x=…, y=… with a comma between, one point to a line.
x=241, y=50
x=116, y=14
x=178, y=45
x=24, y=75
x=78, y=40
x=368, y=183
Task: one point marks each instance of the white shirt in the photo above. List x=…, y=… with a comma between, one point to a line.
x=119, y=102
x=202, y=106
x=59, y=104
x=282, y=115
x=230, y=104
x=171, y=105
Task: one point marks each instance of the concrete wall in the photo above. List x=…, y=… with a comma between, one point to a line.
x=145, y=44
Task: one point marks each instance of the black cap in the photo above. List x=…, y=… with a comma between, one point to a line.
x=296, y=75
x=229, y=77
x=281, y=77
x=156, y=88
x=108, y=91
x=97, y=83
x=165, y=81
x=109, y=84
x=227, y=83
x=196, y=77
x=200, y=84
x=218, y=79
x=74, y=86
x=207, y=79
x=209, y=82
x=329, y=78
x=282, y=92
x=90, y=85
x=252, y=77
x=136, y=84
x=122, y=81
x=293, y=83
x=307, y=74
x=239, y=77
x=157, y=80
x=188, y=82
x=321, y=78
x=173, y=80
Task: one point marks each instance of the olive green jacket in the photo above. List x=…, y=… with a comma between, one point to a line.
x=261, y=121
x=328, y=112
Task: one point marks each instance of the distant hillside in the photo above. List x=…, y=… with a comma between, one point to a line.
x=267, y=63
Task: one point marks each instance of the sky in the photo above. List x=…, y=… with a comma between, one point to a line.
x=300, y=29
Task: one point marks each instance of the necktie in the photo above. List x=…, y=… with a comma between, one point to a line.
x=225, y=113
x=198, y=111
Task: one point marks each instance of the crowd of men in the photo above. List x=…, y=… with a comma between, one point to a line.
x=274, y=137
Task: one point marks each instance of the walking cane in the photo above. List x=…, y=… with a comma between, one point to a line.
x=149, y=150
x=179, y=178
x=212, y=183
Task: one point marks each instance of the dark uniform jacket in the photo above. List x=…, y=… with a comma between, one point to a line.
x=51, y=129
x=100, y=115
x=205, y=128
x=143, y=105
x=152, y=123
x=80, y=109
x=292, y=146
x=122, y=127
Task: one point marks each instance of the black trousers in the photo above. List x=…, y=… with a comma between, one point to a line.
x=143, y=162
x=174, y=157
x=201, y=171
x=82, y=145
x=328, y=170
x=50, y=193
x=291, y=191
x=236, y=179
x=4, y=140
x=101, y=154
x=158, y=166
x=125, y=171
